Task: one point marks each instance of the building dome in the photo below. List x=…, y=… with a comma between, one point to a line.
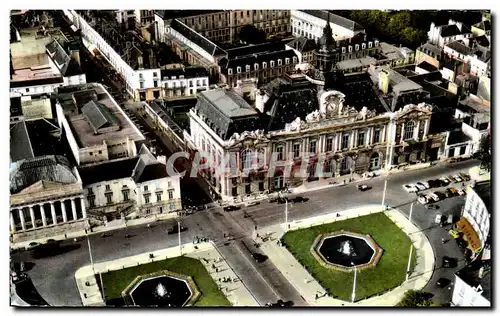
x=46, y=168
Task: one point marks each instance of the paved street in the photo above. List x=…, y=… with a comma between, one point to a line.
x=54, y=276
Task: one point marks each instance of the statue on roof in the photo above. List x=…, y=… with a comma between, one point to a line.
x=331, y=103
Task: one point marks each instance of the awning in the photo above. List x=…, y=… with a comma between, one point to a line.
x=470, y=234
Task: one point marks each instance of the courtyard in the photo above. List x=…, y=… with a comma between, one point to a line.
x=388, y=273
x=116, y=281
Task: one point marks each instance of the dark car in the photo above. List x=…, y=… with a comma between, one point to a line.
x=431, y=206
x=449, y=262
x=299, y=199
x=175, y=229
x=442, y=282
x=231, y=208
x=435, y=183
x=282, y=200
x=363, y=187
x=259, y=257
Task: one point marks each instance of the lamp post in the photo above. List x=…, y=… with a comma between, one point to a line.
x=409, y=263
x=354, y=284
x=383, y=194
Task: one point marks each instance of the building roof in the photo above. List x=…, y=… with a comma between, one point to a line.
x=483, y=40
x=474, y=104
x=484, y=25
x=34, y=138
x=430, y=48
x=470, y=275
x=142, y=168
x=251, y=60
x=187, y=72
x=229, y=103
x=177, y=14
x=302, y=44
x=36, y=82
x=196, y=38
x=255, y=49
x=483, y=189
x=426, y=66
x=450, y=30
x=335, y=19
x=460, y=47
x=457, y=137
x=98, y=115
x=15, y=107
x=66, y=65
x=45, y=168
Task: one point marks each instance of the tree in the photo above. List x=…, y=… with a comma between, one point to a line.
x=485, y=152
x=417, y=299
x=252, y=35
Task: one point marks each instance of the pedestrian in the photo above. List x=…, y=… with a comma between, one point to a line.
x=317, y=296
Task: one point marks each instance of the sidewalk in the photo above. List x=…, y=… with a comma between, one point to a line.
x=235, y=291
x=308, y=287
x=97, y=230
x=479, y=175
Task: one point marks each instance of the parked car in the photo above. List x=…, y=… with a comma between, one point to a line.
x=422, y=199
x=410, y=188
x=465, y=176
x=424, y=183
x=444, y=180
x=420, y=186
x=299, y=199
x=442, y=282
x=282, y=200
x=33, y=245
x=448, y=192
x=251, y=203
x=452, y=179
x=431, y=206
x=458, y=178
x=231, y=208
x=434, y=196
x=449, y=262
x=461, y=192
x=435, y=183
x=454, y=191
x=440, y=195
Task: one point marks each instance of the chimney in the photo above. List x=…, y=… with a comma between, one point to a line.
x=383, y=81
x=75, y=54
x=140, y=62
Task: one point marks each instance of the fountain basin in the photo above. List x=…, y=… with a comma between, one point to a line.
x=346, y=250
x=163, y=289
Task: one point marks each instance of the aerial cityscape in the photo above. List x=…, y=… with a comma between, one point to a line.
x=250, y=158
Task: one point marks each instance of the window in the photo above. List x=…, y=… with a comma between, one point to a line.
x=247, y=68
x=158, y=197
x=294, y=59
x=272, y=63
x=108, y=188
x=279, y=152
x=361, y=139
x=125, y=195
x=141, y=76
x=363, y=46
x=345, y=141
x=155, y=75
x=190, y=83
x=264, y=65
x=229, y=71
x=409, y=130
x=155, y=84
x=238, y=69
x=141, y=85
x=109, y=198
x=350, y=48
x=91, y=200
x=357, y=47
x=343, y=50
x=370, y=44
x=287, y=61
x=247, y=159
x=256, y=67
x=376, y=43
x=376, y=136
x=312, y=146
x=329, y=144
x=170, y=194
x=90, y=191
x=146, y=198
x=146, y=188
x=279, y=62
x=296, y=150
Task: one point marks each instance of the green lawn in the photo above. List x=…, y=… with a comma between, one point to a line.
x=387, y=274
x=116, y=281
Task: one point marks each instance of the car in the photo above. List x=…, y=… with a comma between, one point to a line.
x=440, y=195
x=465, y=176
x=299, y=199
x=458, y=178
x=424, y=183
x=444, y=180
x=362, y=187
x=175, y=229
x=273, y=199
x=410, y=188
x=259, y=257
x=422, y=199
x=230, y=208
x=434, y=196
x=448, y=192
x=50, y=241
x=461, y=192
x=282, y=200
x=449, y=262
x=33, y=245
x=420, y=186
x=431, y=206
x=452, y=179
x=442, y=282
x=434, y=183
x=251, y=203
x=454, y=191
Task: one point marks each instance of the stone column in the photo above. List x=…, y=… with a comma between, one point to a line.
x=415, y=133
x=12, y=223
x=42, y=211
x=53, y=213
x=32, y=216
x=82, y=202
x=426, y=127
x=402, y=132
x=73, y=208
x=21, y=216
x=63, y=210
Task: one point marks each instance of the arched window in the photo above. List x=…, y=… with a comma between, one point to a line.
x=409, y=130
x=247, y=159
x=375, y=161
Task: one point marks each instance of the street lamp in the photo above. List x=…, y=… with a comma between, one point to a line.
x=354, y=283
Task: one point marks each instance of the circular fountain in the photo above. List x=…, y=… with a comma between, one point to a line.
x=346, y=250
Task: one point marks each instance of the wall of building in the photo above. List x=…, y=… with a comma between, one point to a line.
x=34, y=90
x=476, y=212
x=465, y=295
x=75, y=80
x=37, y=108
x=303, y=24
x=64, y=126
x=183, y=87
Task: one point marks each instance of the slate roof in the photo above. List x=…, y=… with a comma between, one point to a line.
x=98, y=115
x=460, y=47
x=457, y=137
x=176, y=14
x=302, y=44
x=33, y=138
x=196, y=38
x=187, y=72
x=483, y=40
x=426, y=66
x=450, y=30
x=227, y=113
x=483, y=25
x=15, y=106
x=247, y=50
x=428, y=47
x=142, y=168
x=46, y=168
x=360, y=91
x=67, y=66
x=335, y=19
x=470, y=275
x=251, y=60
